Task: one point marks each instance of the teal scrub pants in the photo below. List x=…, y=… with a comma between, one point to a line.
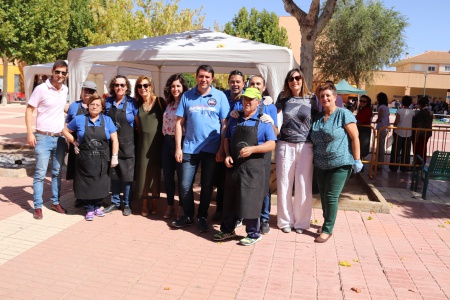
x=331, y=182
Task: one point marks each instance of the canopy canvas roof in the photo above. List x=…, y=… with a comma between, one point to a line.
x=344, y=88
x=100, y=74
x=184, y=52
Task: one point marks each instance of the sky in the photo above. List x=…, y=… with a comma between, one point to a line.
x=428, y=20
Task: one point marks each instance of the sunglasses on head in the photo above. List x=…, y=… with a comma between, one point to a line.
x=122, y=85
x=57, y=72
x=140, y=86
x=236, y=72
x=297, y=78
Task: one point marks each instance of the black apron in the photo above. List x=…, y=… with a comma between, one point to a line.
x=124, y=171
x=70, y=173
x=92, y=163
x=247, y=174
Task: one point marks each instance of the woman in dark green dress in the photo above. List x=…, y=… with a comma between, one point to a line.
x=150, y=139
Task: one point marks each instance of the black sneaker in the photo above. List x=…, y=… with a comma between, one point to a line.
x=126, y=210
x=202, y=225
x=182, y=222
x=224, y=236
x=111, y=208
x=265, y=227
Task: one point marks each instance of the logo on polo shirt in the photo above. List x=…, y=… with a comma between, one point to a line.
x=212, y=102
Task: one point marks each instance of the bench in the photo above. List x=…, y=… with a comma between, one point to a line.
x=438, y=169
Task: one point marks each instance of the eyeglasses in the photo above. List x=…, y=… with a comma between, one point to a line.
x=297, y=78
x=122, y=85
x=89, y=91
x=57, y=72
x=140, y=86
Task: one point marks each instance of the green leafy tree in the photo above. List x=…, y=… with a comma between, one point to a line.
x=257, y=26
x=190, y=78
x=124, y=20
x=81, y=23
x=359, y=40
x=311, y=25
x=114, y=21
x=166, y=18
x=33, y=31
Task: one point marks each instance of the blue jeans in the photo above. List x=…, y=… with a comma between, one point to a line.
x=116, y=187
x=265, y=210
x=92, y=204
x=46, y=147
x=189, y=168
x=169, y=167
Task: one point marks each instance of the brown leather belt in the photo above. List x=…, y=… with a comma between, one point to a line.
x=49, y=133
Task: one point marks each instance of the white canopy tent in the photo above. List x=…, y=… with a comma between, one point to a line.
x=184, y=52
x=100, y=74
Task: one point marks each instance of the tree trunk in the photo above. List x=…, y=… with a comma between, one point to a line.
x=5, y=80
x=307, y=56
x=311, y=25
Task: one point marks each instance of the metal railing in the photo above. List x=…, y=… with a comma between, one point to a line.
x=399, y=153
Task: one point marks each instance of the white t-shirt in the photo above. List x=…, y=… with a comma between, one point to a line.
x=406, y=115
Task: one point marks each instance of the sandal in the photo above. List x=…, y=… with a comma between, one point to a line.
x=153, y=212
x=169, y=211
x=144, y=211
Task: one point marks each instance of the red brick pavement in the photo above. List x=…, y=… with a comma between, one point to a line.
x=401, y=255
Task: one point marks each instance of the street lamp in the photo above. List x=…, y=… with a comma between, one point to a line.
x=425, y=74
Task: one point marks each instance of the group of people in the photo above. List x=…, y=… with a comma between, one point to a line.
x=402, y=139
x=120, y=139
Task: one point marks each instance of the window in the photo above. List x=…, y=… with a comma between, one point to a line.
x=431, y=68
x=16, y=83
x=447, y=69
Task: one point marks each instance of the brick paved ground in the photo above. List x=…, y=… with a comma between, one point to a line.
x=401, y=255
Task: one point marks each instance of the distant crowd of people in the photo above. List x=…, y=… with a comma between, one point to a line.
x=120, y=140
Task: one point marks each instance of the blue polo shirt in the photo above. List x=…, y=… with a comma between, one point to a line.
x=265, y=130
x=79, y=122
x=332, y=145
x=202, y=114
x=270, y=110
x=72, y=111
x=132, y=109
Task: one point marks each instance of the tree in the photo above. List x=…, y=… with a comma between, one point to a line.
x=81, y=23
x=151, y=18
x=257, y=26
x=115, y=21
x=311, y=25
x=32, y=31
x=359, y=40
x=167, y=19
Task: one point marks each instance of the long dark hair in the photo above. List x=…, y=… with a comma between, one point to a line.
x=167, y=94
x=287, y=91
x=382, y=99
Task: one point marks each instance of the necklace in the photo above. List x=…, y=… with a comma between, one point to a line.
x=147, y=106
